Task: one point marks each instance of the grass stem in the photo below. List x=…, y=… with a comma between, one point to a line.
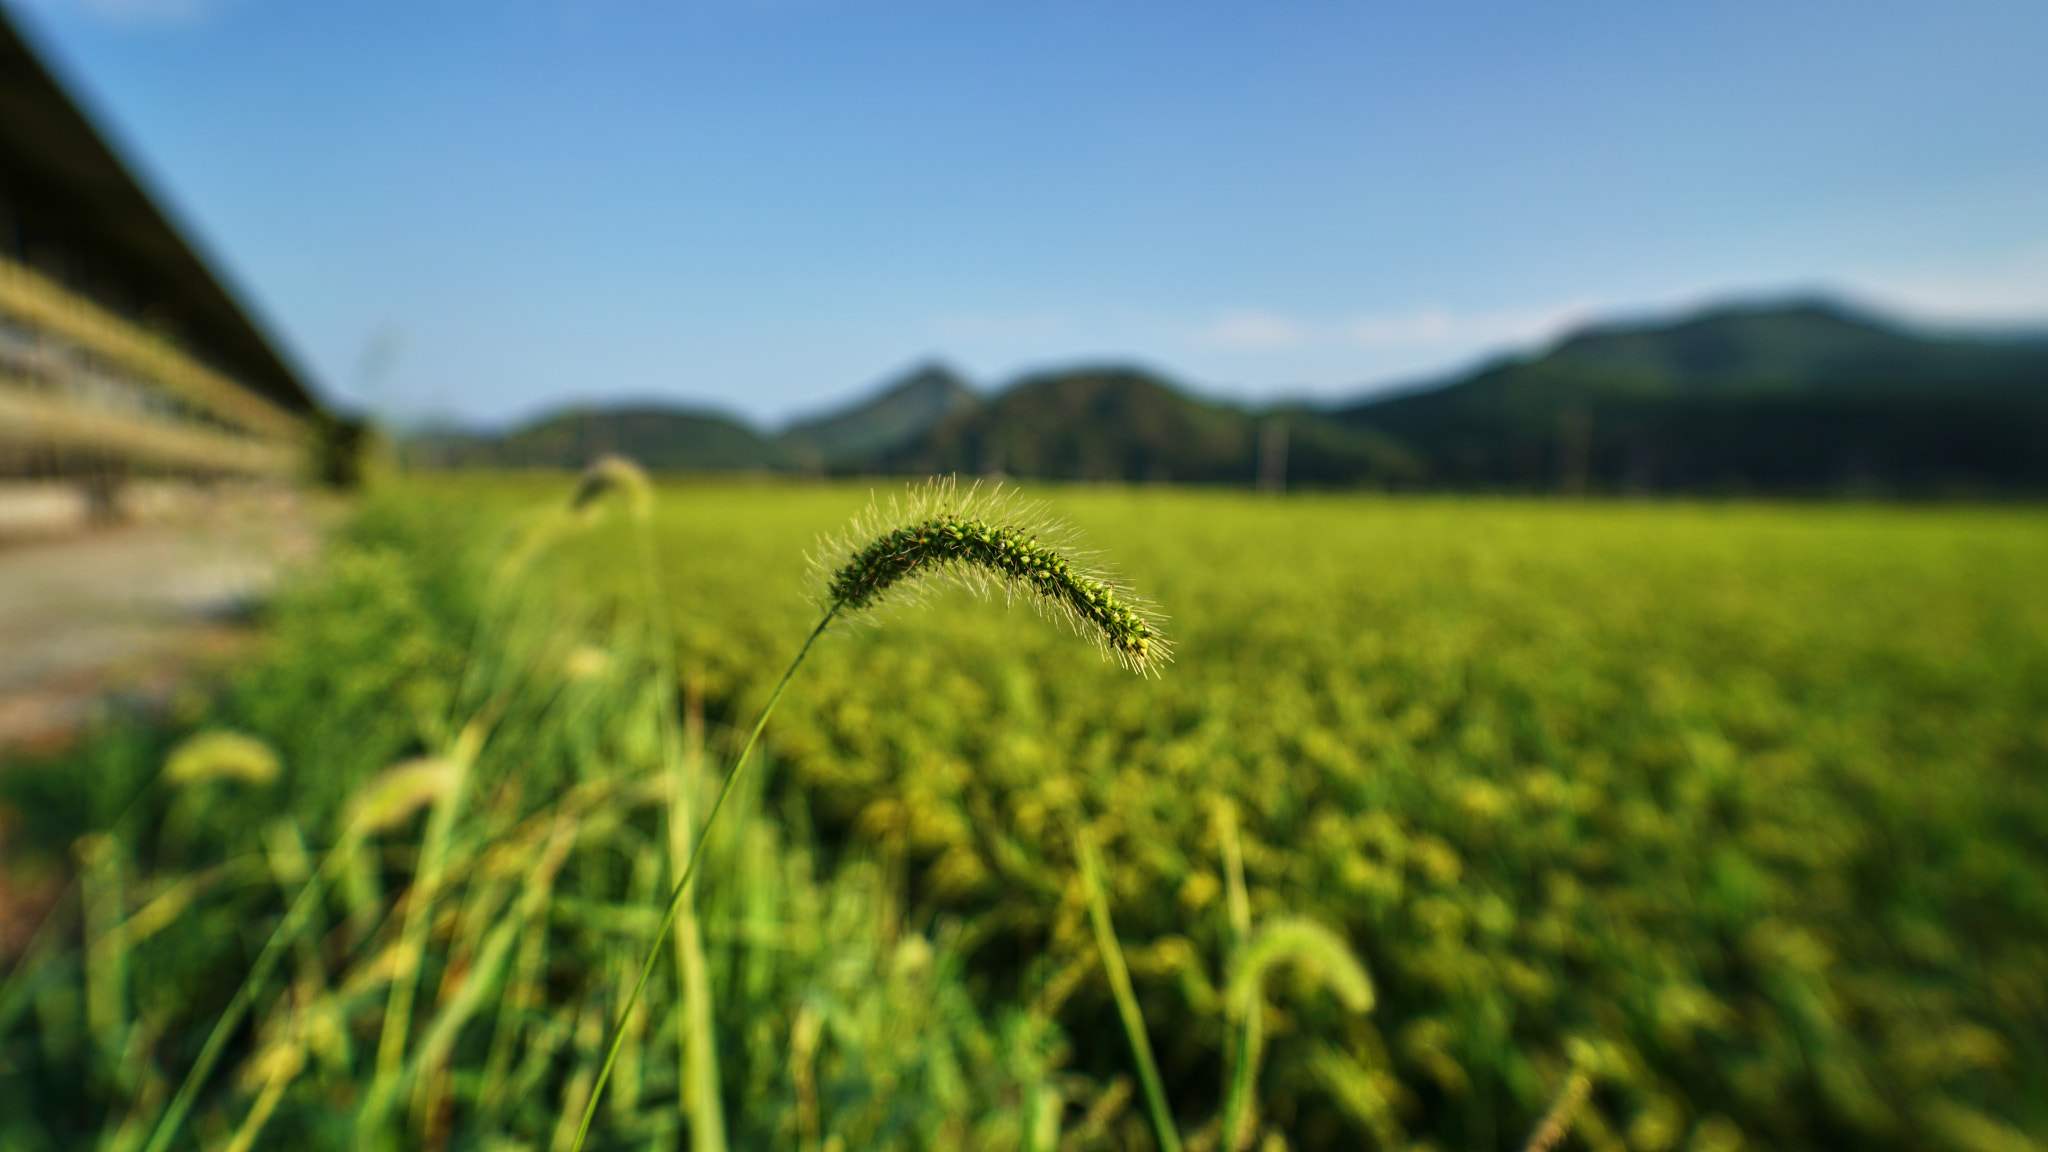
x=697, y=1077
x=1126, y=1000
x=682, y=888
x=216, y=1040
x=1244, y=1063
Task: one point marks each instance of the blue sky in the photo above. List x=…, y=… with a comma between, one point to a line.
x=485, y=208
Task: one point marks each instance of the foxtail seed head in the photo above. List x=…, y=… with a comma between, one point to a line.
x=614, y=473
x=984, y=540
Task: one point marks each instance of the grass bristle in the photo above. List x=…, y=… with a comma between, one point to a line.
x=981, y=540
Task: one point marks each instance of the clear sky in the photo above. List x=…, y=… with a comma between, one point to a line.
x=488, y=207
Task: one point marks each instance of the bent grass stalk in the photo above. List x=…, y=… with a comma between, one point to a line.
x=1310, y=945
x=1126, y=1000
x=1252, y=956
x=939, y=533
x=982, y=541
x=1557, y=1122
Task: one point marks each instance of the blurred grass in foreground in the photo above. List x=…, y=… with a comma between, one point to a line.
x=1739, y=811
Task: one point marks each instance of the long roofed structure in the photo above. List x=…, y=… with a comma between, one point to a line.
x=121, y=352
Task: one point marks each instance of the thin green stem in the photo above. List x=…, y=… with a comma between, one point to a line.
x=1244, y=1066
x=1244, y=1073
x=1126, y=1000
x=675, y=900
x=697, y=1080
x=216, y=1040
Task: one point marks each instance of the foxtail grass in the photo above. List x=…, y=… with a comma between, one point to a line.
x=985, y=541
x=1254, y=955
x=982, y=540
x=1307, y=945
x=1557, y=1122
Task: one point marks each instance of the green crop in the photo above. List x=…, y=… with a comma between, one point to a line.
x=1642, y=826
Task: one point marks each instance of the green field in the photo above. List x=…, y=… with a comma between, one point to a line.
x=1739, y=812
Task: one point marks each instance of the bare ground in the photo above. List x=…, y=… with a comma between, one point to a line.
x=129, y=609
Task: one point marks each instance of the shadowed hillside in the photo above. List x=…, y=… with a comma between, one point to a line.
x=659, y=438
x=1805, y=398
x=1113, y=424
x=1121, y=424
x=860, y=436
x=1801, y=347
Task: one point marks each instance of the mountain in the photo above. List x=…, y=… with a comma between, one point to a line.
x=1800, y=397
x=855, y=437
x=1805, y=397
x=1120, y=424
x=661, y=438
x=1800, y=346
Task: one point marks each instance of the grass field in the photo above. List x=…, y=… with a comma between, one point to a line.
x=1736, y=813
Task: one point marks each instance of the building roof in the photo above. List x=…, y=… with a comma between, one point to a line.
x=59, y=172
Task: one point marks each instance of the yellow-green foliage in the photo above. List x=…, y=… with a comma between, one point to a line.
x=1740, y=813
x=1755, y=796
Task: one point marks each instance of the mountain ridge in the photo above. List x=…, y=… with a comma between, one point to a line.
x=1799, y=395
x=856, y=433
x=1807, y=396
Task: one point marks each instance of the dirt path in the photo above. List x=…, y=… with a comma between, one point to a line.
x=128, y=609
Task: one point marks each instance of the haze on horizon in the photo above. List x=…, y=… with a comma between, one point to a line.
x=484, y=208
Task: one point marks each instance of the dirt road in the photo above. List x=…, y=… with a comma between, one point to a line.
x=129, y=608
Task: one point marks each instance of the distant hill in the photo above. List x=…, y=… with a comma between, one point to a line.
x=1113, y=424
x=1802, y=346
x=661, y=438
x=1117, y=424
x=1805, y=397
x=860, y=436
x=1110, y=424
